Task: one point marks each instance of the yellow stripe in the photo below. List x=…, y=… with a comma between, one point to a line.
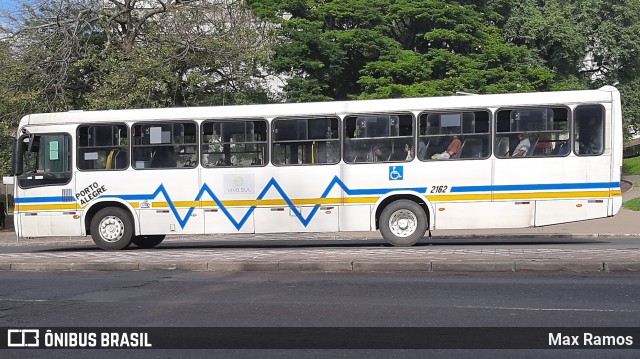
x=187, y=204
x=460, y=197
x=272, y=202
x=44, y=207
x=361, y=200
x=558, y=195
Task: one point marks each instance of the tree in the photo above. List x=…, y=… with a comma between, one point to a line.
x=447, y=48
x=59, y=55
x=345, y=49
x=591, y=43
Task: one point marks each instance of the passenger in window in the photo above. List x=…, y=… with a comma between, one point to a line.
x=422, y=150
x=377, y=155
x=452, y=151
x=563, y=148
x=454, y=147
x=409, y=151
x=523, y=147
x=591, y=145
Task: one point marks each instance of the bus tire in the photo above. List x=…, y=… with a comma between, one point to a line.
x=112, y=228
x=149, y=241
x=403, y=223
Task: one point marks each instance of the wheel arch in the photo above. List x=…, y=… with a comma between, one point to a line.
x=96, y=206
x=384, y=201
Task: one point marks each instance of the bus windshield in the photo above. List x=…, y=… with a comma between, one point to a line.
x=43, y=160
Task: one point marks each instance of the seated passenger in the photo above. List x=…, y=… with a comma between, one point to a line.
x=409, y=151
x=422, y=150
x=591, y=145
x=522, y=147
x=454, y=147
x=452, y=152
x=377, y=155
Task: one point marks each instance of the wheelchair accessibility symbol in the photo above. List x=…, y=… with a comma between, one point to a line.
x=396, y=173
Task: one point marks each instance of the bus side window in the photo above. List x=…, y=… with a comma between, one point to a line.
x=379, y=138
x=103, y=147
x=305, y=141
x=589, y=130
x=238, y=143
x=164, y=145
x=532, y=132
x=454, y=135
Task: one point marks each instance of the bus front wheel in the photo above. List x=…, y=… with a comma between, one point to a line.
x=149, y=241
x=403, y=223
x=112, y=228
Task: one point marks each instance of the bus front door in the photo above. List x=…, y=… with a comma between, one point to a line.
x=45, y=202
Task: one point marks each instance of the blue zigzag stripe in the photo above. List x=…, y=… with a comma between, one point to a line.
x=272, y=183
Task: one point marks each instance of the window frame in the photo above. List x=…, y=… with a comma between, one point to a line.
x=273, y=142
x=344, y=139
x=575, y=149
x=70, y=139
x=265, y=142
x=129, y=154
x=160, y=123
x=534, y=107
x=490, y=130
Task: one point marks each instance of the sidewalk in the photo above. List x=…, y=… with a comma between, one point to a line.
x=353, y=251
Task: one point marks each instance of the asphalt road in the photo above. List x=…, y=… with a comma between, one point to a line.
x=297, y=299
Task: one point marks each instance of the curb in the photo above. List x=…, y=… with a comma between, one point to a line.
x=87, y=240
x=334, y=266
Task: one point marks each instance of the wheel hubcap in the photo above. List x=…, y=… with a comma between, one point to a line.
x=111, y=229
x=403, y=223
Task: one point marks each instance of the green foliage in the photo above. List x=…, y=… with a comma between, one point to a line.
x=587, y=43
x=18, y=96
x=629, y=91
x=346, y=49
x=549, y=28
x=94, y=55
x=631, y=165
x=633, y=204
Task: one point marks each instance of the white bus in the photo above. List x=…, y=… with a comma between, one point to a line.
x=403, y=166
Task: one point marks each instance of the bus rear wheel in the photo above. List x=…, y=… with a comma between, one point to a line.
x=149, y=241
x=112, y=229
x=403, y=223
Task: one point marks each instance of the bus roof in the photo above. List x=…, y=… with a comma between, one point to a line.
x=604, y=94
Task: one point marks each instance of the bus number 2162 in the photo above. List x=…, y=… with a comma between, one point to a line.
x=439, y=189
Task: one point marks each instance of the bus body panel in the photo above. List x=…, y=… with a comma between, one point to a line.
x=356, y=217
x=470, y=215
x=166, y=201
x=299, y=199
x=463, y=185
x=569, y=210
x=228, y=198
